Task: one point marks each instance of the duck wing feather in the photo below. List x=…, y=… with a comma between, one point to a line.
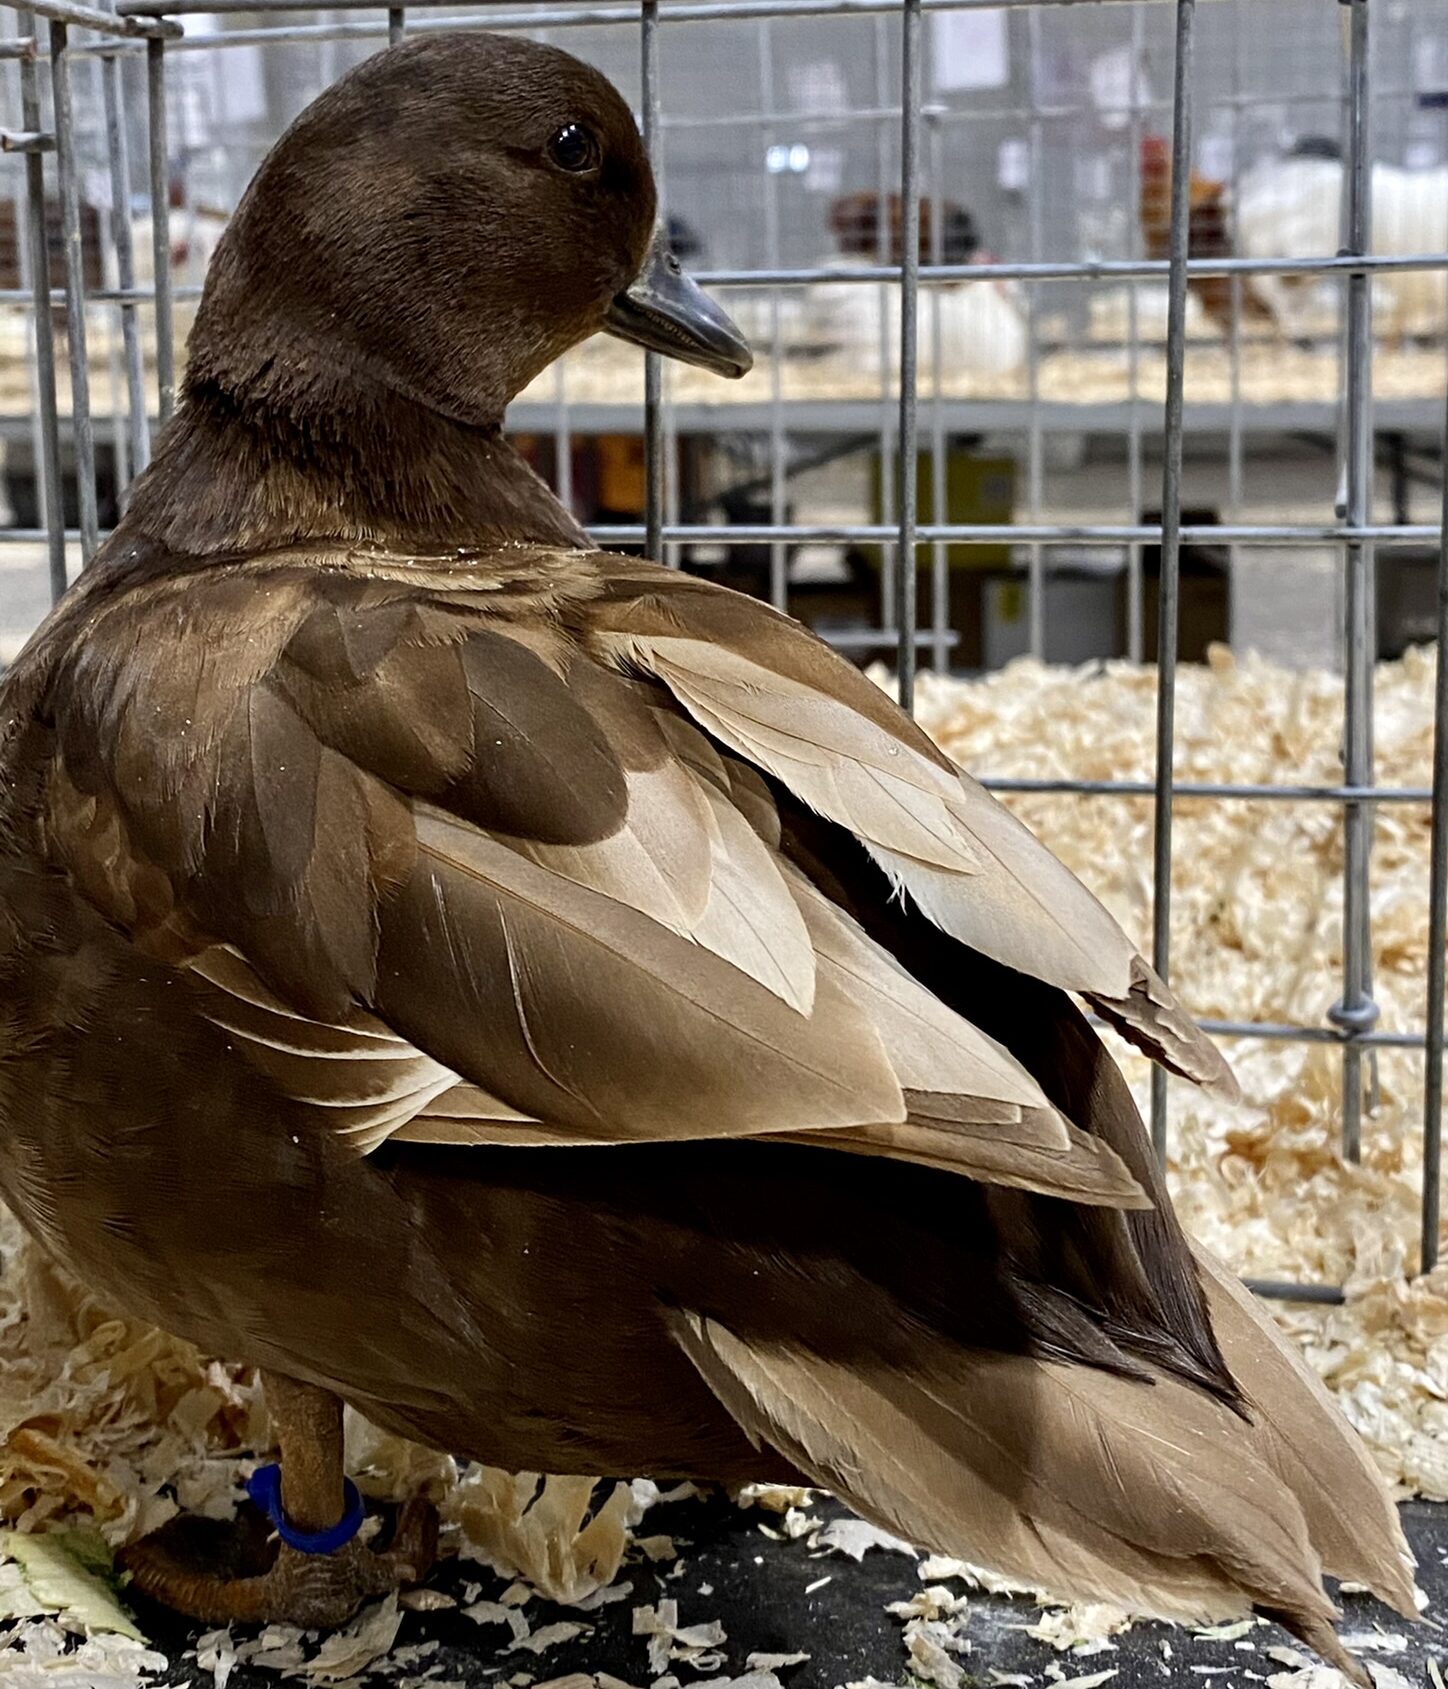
x=447, y=872
x=771, y=692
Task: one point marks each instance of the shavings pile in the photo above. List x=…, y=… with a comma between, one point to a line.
x=1257, y=935
x=1101, y=369
x=101, y=1416
x=544, y=1529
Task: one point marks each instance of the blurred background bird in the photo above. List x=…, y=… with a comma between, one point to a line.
x=1209, y=231
x=982, y=324
x=1296, y=204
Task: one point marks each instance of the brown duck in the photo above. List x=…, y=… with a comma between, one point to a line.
x=557, y=1005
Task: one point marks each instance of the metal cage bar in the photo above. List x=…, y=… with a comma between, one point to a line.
x=778, y=439
x=1355, y=1010
x=1035, y=439
x=165, y=9
x=1135, y=579
x=42, y=327
x=653, y=363
x=1437, y=912
x=1087, y=270
x=118, y=151
x=67, y=169
x=941, y=635
x=160, y=227
x=906, y=576
x=1168, y=610
x=119, y=22
x=1437, y=915
x=886, y=422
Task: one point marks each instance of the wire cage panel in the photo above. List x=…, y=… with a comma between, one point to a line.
x=1057, y=305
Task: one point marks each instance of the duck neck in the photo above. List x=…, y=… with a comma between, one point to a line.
x=238, y=472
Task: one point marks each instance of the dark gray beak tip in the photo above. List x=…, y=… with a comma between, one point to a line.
x=664, y=311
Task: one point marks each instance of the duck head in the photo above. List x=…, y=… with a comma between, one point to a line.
x=440, y=225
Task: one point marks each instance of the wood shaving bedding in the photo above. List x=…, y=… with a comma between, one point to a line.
x=1093, y=369
x=42, y=1655
x=1084, y=1628
x=932, y=1647
x=544, y=1529
x=606, y=372
x=855, y=1538
x=696, y=1645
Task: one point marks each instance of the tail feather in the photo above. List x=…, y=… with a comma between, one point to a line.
x=1063, y=1478
x=1305, y=1439
x=1133, y=1266
x=1208, y=1475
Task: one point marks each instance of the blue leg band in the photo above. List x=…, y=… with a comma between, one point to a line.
x=264, y=1487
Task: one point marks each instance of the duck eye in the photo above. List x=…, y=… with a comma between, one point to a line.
x=574, y=148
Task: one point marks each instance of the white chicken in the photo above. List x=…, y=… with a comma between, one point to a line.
x=1294, y=206
x=982, y=324
x=193, y=232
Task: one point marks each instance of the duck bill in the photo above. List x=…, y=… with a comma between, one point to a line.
x=664, y=311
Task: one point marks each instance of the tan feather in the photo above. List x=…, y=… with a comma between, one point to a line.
x=1150, y=1017
x=367, y=1080
x=273, y=1020
x=754, y=800
x=481, y=1131
x=659, y=861
x=751, y=920
x=839, y=763
x=578, y=1010
x=973, y=868
x=931, y=1047
x=1303, y=1436
x=1063, y=1478
x=465, y=1102
x=690, y=746
x=989, y=1150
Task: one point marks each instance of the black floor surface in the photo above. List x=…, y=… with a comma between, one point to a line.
x=759, y=1590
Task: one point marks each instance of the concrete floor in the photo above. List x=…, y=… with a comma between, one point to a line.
x=759, y=1589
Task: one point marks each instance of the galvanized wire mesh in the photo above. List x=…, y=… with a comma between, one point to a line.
x=89, y=88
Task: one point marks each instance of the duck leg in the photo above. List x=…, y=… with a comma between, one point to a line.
x=244, y=1575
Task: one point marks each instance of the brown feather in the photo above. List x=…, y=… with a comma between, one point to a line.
x=1061, y=1478
x=777, y=697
